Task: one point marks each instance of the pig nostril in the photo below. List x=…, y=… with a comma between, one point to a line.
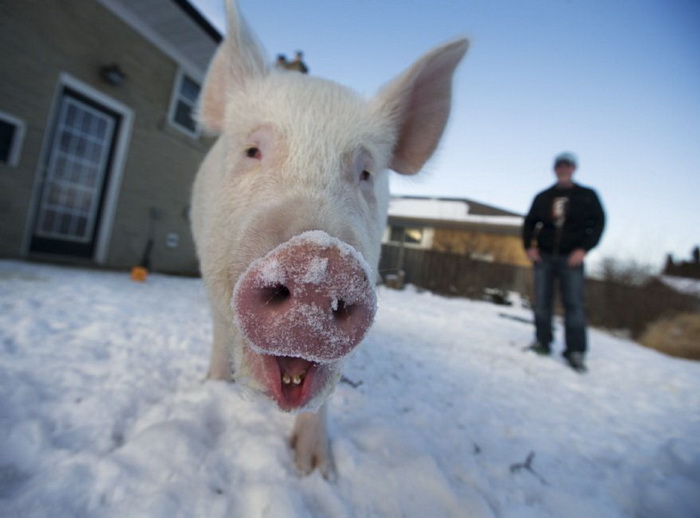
x=274, y=295
x=342, y=310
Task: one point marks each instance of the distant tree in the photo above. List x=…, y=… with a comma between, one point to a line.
x=689, y=269
x=629, y=273
x=670, y=266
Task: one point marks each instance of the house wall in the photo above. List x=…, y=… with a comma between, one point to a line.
x=40, y=41
x=502, y=248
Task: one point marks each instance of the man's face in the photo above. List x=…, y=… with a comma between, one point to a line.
x=564, y=172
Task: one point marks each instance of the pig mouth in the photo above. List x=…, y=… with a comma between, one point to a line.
x=293, y=383
x=296, y=380
x=301, y=309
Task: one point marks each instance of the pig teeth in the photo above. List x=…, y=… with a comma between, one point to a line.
x=296, y=380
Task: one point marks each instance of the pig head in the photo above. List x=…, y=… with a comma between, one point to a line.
x=288, y=212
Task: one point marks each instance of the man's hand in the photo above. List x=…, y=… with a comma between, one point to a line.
x=534, y=254
x=576, y=257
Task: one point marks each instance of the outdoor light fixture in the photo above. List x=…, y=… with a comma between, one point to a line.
x=112, y=74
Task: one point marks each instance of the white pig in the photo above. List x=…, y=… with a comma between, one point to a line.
x=288, y=211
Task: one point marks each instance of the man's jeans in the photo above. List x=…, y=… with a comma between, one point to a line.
x=571, y=282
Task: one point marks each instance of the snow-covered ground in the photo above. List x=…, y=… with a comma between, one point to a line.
x=104, y=412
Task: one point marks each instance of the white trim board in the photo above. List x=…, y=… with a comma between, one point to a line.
x=123, y=139
x=128, y=17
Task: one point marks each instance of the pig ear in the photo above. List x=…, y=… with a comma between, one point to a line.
x=238, y=60
x=418, y=103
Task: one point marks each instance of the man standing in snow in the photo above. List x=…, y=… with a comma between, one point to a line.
x=566, y=221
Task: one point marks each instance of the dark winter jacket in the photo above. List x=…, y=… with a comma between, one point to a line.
x=562, y=220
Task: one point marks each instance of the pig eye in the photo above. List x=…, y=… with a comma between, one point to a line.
x=361, y=168
x=253, y=152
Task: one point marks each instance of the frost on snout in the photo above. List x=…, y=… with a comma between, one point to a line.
x=309, y=298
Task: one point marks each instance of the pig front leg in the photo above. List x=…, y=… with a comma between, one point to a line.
x=220, y=361
x=311, y=446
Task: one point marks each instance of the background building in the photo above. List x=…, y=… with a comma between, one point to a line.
x=98, y=147
x=457, y=226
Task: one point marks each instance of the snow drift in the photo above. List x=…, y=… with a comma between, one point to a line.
x=104, y=412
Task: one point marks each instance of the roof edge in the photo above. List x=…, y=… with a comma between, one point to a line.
x=200, y=20
x=482, y=208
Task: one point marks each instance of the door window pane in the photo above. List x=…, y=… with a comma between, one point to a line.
x=76, y=168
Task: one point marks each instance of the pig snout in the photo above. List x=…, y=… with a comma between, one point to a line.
x=310, y=298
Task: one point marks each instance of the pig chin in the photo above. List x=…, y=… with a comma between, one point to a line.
x=294, y=384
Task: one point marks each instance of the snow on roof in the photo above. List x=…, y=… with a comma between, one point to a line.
x=682, y=284
x=445, y=210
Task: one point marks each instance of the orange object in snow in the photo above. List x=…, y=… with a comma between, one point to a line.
x=139, y=273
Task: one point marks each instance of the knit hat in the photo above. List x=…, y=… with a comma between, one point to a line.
x=566, y=157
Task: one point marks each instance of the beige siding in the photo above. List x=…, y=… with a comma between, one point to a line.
x=42, y=39
x=502, y=248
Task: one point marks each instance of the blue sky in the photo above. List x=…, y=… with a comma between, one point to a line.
x=615, y=81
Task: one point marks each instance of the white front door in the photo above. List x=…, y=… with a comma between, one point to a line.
x=75, y=177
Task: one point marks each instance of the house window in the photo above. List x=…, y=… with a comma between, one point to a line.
x=183, y=104
x=408, y=235
x=11, y=137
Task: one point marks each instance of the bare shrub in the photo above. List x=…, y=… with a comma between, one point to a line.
x=614, y=305
x=627, y=296
x=677, y=336
x=629, y=273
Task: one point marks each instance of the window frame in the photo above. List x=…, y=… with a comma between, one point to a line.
x=17, y=138
x=424, y=243
x=175, y=100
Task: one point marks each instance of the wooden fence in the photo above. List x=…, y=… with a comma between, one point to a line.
x=610, y=304
x=452, y=274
